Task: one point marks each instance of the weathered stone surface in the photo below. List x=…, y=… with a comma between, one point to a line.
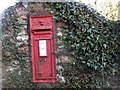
x=24, y=49
x=24, y=17
x=60, y=24
x=7, y=53
x=60, y=78
x=21, y=11
x=21, y=21
x=23, y=45
x=23, y=32
x=13, y=41
x=22, y=37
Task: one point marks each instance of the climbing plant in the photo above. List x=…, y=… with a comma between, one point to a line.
x=18, y=74
x=91, y=43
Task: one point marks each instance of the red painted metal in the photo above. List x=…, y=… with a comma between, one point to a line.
x=43, y=66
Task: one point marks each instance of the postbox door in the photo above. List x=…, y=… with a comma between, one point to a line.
x=42, y=43
x=43, y=61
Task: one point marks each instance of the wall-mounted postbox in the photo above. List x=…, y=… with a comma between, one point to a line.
x=42, y=45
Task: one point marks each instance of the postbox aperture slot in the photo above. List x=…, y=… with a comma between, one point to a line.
x=39, y=30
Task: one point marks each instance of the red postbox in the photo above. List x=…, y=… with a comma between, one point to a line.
x=43, y=47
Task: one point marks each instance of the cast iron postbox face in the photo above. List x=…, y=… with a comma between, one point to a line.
x=42, y=45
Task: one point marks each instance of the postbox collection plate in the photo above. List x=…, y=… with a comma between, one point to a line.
x=42, y=46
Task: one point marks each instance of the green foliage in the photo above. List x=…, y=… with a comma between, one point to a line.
x=19, y=73
x=89, y=38
x=92, y=43
x=10, y=30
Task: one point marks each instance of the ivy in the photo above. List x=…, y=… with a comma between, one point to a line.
x=91, y=40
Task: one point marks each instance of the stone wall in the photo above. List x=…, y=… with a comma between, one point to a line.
x=17, y=68
x=21, y=43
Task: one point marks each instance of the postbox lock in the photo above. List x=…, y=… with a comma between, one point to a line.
x=43, y=60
